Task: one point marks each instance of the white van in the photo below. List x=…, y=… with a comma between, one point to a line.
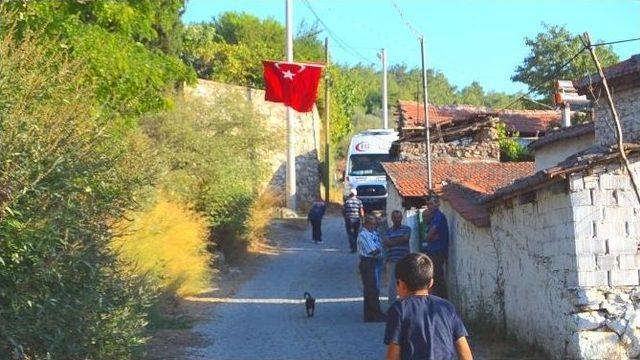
x=364, y=172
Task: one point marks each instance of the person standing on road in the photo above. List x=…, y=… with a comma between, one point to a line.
x=353, y=211
x=316, y=213
x=370, y=252
x=396, y=243
x=436, y=244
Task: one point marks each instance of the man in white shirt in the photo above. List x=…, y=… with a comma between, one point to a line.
x=370, y=252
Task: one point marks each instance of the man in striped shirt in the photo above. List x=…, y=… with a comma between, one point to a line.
x=352, y=212
x=370, y=252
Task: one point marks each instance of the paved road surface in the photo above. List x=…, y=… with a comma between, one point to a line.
x=266, y=318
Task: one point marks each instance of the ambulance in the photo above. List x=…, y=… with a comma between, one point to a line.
x=363, y=172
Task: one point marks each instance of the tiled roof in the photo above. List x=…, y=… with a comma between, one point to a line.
x=563, y=134
x=624, y=70
x=466, y=184
x=527, y=122
x=575, y=163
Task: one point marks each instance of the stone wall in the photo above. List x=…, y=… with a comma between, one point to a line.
x=551, y=154
x=628, y=106
x=307, y=135
x=607, y=296
x=458, y=150
x=535, y=256
x=472, y=279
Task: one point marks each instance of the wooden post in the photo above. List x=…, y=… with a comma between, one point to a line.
x=586, y=40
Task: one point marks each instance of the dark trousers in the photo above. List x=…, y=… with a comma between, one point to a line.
x=371, y=294
x=353, y=227
x=439, y=280
x=316, y=229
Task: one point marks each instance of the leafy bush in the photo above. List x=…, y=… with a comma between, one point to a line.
x=63, y=179
x=510, y=148
x=212, y=153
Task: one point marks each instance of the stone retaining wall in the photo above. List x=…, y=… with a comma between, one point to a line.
x=307, y=135
x=628, y=106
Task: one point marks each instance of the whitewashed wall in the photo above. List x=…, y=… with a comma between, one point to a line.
x=472, y=270
x=551, y=154
x=536, y=255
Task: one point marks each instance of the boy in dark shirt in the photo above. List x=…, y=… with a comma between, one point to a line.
x=419, y=325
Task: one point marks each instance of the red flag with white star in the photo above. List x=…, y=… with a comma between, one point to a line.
x=294, y=84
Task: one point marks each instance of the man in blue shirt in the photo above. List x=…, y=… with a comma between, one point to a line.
x=316, y=213
x=436, y=244
x=370, y=253
x=396, y=243
x=420, y=325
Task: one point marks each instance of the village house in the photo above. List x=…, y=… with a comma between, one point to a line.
x=547, y=252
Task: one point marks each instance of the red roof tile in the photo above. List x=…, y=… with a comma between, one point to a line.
x=473, y=181
x=527, y=122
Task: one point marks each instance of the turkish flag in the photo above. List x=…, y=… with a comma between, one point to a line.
x=294, y=84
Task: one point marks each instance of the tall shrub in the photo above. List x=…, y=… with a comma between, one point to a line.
x=63, y=179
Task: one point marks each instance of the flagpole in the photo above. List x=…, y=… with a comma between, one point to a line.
x=327, y=129
x=385, y=106
x=291, y=156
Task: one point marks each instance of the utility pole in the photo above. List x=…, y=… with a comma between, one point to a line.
x=425, y=102
x=291, y=153
x=586, y=40
x=385, y=106
x=327, y=129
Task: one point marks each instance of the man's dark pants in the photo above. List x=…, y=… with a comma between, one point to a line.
x=316, y=229
x=353, y=227
x=439, y=284
x=371, y=294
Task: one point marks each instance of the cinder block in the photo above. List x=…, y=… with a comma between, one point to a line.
x=593, y=278
x=587, y=213
x=607, y=262
x=603, y=197
x=621, y=245
x=576, y=183
x=614, y=181
x=587, y=262
x=610, y=227
x=623, y=277
x=594, y=246
x=629, y=261
x=581, y=198
x=591, y=182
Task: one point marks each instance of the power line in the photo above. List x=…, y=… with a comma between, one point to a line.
x=615, y=42
x=415, y=32
x=551, y=77
x=341, y=43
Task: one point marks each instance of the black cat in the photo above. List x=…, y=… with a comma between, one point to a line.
x=310, y=304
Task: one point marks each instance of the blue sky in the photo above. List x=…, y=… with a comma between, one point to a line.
x=467, y=40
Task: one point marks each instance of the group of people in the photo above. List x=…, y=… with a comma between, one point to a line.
x=422, y=324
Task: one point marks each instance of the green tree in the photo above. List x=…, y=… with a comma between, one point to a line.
x=549, y=50
x=231, y=48
x=127, y=46
x=473, y=94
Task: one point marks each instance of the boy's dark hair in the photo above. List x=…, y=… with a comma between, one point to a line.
x=415, y=270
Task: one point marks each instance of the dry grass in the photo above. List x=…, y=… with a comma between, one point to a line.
x=168, y=241
x=262, y=212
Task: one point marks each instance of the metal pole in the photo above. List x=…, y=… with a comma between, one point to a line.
x=385, y=107
x=425, y=102
x=327, y=129
x=291, y=154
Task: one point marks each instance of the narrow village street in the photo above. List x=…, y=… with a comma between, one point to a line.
x=265, y=319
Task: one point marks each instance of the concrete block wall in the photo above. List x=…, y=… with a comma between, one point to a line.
x=472, y=280
x=306, y=130
x=606, y=294
x=537, y=258
x=627, y=104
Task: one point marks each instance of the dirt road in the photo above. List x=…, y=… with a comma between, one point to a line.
x=265, y=319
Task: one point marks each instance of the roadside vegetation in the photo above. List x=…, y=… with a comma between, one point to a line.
x=115, y=191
